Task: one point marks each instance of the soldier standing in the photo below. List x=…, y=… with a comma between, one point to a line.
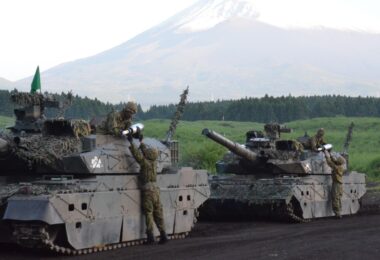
x=116, y=122
x=337, y=167
x=150, y=192
x=317, y=140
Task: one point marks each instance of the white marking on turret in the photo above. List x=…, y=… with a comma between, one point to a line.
x=96, y=163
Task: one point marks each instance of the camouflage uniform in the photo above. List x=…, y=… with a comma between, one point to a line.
x=317, y=140
x=150, y=192
x=337, y=167
x=80, y=128
x=116, y=122
x=297, y=147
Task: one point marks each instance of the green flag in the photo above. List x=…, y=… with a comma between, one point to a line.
x=36, y=83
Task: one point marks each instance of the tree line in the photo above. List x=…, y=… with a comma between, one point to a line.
x=273, y=109
x=264, y=109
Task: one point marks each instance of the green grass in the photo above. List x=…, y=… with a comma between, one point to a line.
x=200, y=152
x=6, y=121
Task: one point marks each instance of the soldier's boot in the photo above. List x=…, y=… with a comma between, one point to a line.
x=337, y=215
x=163, y=237
x=150, y=238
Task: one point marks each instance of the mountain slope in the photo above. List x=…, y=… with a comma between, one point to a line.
x=231, y=55
x=5, y=84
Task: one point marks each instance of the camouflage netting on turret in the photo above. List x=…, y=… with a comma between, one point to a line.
x=62, y=127
x=26, y=99
x=45, y=151
x=80, y=128
x=60, y=138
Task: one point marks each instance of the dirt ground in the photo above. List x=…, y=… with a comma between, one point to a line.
x=353, y=237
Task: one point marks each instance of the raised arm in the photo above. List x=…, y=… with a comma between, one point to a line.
x=136, y=153
x=329, y=161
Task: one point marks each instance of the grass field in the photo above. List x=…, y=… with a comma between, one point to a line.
x=198, y=151
x=6, y=121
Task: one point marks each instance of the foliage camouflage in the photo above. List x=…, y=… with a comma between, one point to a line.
x=26, y=99
x=80, y=108
x=48, y=150
x=177, y=115
x=30, y=109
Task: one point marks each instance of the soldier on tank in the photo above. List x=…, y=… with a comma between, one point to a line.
x=297, y=147
x=337, y=167
x=151, y=204
x=116, y=122
x=317, y=141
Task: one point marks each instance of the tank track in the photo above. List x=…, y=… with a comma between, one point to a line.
x=289, y=212
x=36, y=236
x=279, y=212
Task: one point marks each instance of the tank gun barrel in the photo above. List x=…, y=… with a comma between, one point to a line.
x=236, y=148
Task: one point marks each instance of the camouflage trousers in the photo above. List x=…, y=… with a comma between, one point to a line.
x=337, y=193
x=153, y=210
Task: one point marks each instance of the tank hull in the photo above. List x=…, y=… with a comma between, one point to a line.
x=75, y=216
x=284, y=198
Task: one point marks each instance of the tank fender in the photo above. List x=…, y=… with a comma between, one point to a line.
x=102, y=231
x=32, y=210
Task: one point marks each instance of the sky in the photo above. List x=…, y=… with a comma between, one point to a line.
x=363, y=15
x=50, y=32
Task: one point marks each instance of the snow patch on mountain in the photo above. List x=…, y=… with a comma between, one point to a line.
x=206, y=14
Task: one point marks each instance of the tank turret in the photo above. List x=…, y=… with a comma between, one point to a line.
x=276, y=177
x=266, y=154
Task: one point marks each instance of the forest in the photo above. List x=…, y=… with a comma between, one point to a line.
x=264, y=109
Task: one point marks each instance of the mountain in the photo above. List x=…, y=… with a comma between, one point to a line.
x=222, y=51
x=5, y=84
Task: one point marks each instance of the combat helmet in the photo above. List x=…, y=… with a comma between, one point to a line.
x=150, y=153
x=320, y=132
x=130, y=108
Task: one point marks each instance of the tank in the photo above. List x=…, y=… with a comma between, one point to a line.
x=72, y=192
x=276, y=178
